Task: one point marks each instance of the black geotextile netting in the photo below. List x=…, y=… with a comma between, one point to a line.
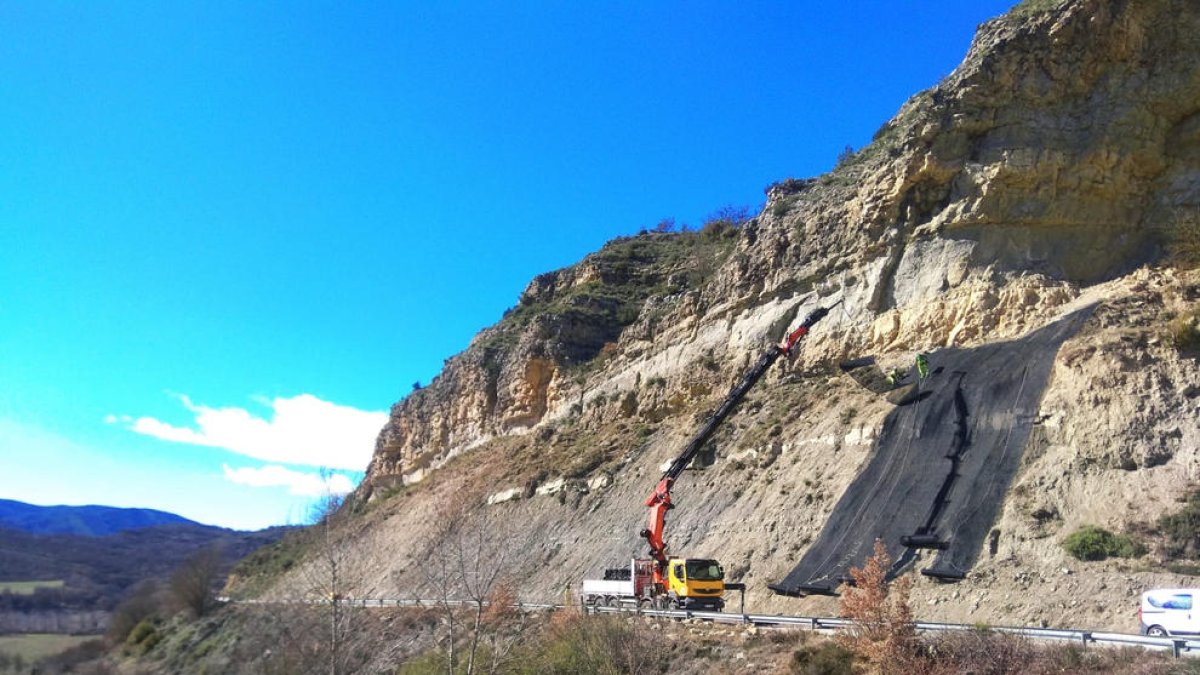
x=941, y=465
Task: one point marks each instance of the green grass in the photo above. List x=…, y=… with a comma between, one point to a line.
x=34, y=646
x=28, y=587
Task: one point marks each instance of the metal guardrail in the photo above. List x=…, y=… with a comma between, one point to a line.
x=1178, y=646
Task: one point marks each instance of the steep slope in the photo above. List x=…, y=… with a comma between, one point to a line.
x=1048, y=173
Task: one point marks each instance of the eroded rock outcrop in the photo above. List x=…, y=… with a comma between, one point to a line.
x=1043, y=175
x=1056, y=156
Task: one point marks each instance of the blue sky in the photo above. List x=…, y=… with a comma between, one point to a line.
x=233, y=234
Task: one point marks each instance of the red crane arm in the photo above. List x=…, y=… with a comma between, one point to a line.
x=792, y=339
x=659, y=502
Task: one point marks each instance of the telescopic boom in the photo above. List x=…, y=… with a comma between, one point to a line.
x=659, y=501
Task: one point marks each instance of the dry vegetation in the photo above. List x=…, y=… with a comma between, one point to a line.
x=885, y=641
x=487, y=635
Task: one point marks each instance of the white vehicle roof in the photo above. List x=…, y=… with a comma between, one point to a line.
x=1165, y=591
x=1157, y=591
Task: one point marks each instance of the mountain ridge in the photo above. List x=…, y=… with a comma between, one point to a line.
x=91, y=520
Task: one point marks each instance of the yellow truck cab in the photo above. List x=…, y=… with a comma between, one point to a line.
x=696, y=583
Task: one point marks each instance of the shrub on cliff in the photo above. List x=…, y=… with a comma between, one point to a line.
x=1096, y=543
x=1182, y=529
x=884, y=633
x=1183, y=245
x=143, y=604
x=1185, y=333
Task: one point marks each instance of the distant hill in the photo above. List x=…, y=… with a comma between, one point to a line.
x=98, y=571
x=93, y=521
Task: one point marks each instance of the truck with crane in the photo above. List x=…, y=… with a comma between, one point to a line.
x=666, y=582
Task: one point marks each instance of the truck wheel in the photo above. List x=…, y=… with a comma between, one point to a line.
x=1156, y=631
x=672, y=604
x=610, y=601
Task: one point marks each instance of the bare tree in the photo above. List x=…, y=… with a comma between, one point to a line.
x=318, y=628
x=327, y=581
x=468, y=568
x=883, y=631
x=191, y=587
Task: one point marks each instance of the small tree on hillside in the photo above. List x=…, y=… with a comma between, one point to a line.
x=143, y=602
x=327, y=578
x=319, y=628
x=883, y=633
x=468, y=569
x=191, y=587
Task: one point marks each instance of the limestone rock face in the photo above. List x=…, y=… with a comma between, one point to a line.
x=536, y=358
x=1064, y=147
x=1057, y=155
x=1044, y=174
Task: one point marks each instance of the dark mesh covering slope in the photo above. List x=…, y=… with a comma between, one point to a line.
x=941, y=465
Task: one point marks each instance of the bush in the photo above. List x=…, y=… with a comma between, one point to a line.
x=143, y=604
x=576, y=643
x=783, y=207
x=827, y=658
x=140, y=632
x=724, y=222
x=432, y=662
x=191, y=587
x=1185, y=333
x=143, y=637
x=1182, y=529
x=984, y=651
x=884, y=633
x=1096, y=543
x=1183, y=245
x=845, y=156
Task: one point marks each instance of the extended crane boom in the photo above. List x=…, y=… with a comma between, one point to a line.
x=659, y=501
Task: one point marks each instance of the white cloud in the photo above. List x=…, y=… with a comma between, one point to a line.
x=302, y=430
x=297, y=483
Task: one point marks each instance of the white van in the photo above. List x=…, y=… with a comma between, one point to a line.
x=1170, y=611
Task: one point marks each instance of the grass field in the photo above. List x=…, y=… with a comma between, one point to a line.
x=36, y=645
x=28, y=587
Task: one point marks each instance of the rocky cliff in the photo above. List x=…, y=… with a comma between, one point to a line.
x=1050, y=171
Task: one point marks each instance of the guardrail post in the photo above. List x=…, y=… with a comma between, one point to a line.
x=1085, y=637
x=1177, y=647
x=813, y=624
